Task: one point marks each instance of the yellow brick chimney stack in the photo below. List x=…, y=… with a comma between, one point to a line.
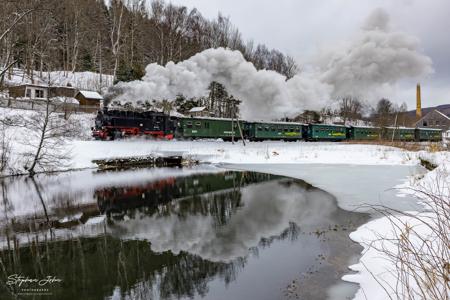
x=418, y=103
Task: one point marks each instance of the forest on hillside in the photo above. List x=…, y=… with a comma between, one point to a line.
x=119, y=37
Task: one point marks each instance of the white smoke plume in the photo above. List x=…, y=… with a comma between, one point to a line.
x=376, y=57
x=264, y=94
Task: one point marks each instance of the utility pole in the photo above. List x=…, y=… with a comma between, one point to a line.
x=238, y=124
x=232, y=128
x=395, y=126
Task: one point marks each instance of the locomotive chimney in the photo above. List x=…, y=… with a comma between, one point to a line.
x=418, y=103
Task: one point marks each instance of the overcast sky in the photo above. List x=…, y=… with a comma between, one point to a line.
x=301, y=27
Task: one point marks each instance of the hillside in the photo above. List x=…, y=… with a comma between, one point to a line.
x=81, y=80
x=445, y=109
x=120, y=38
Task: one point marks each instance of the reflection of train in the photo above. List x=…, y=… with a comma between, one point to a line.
x=149, y=196
x=111, y=124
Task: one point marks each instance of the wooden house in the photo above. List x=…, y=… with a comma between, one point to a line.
x=89, y=99
x=29, y=91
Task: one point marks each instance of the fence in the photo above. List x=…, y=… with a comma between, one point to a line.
x=37, y=104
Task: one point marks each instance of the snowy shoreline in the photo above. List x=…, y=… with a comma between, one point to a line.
x=290, y=159
x=308, y=161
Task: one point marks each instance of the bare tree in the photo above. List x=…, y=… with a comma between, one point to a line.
x=12, y=21
x=384, y=113
x=116, y=30
x=5, y=148
x=165, y=105
x=350, y=109
x=46, y=139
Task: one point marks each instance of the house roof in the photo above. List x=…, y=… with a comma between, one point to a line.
x=435, y=110
x=91, y=95
x=30, y=84
x=197, y=109
x=441, y=113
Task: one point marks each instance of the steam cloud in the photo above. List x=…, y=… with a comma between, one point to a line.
x=264, y=93
x=377, y=56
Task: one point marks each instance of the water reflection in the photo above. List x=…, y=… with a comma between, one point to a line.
x=155, y=235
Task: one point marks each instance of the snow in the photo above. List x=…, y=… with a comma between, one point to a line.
x=174, y=113
x=91, y=95
x=69, y=100
x=376, y=271
x=321, y=164
x=197, y=109
x=254, y=153
x=80, y=80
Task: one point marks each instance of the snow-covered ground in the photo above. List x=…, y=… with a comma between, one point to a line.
x=354, y=174
x=82, y=80
x=252, y=153
x=369, y=175
x=425, y=233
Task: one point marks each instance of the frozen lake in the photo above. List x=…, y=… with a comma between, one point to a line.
x=203, y=232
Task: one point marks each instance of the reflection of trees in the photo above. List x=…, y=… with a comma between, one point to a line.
x=92, y=267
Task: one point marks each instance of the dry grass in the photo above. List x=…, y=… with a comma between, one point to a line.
x=421, y=252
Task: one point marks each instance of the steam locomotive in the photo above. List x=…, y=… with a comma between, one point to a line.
x=114, y=124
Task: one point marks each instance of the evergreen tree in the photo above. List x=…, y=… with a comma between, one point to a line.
x=126, y=73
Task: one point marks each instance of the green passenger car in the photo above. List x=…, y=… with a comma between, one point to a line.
x=208, y=128
x=428, y=134
x=317, y=132
x=364, y=133
x=257, y=131
x=399, y=134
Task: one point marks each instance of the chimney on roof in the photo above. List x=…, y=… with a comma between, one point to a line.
x=418, y=103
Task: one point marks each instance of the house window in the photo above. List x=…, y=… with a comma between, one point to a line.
x=28, y=93
x=39, y=93
x=425, y=123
